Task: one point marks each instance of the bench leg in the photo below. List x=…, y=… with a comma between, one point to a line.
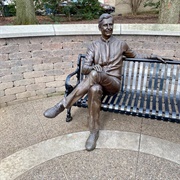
x=68, y=116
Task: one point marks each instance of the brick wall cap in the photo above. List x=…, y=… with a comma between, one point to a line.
x=26, y=31
x=81, y=29
x=87, y=29
x=151, y=29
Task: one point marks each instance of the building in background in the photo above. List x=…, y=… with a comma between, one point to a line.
x=7, y=2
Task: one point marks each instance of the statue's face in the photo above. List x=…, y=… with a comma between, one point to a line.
x=106, y=28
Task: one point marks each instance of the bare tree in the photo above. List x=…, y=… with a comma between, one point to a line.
x=134, y=5
x=25, y=12
x=169, y=11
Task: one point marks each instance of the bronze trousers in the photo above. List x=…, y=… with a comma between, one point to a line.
x=94, y=84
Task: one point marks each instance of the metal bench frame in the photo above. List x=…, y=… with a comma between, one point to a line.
x=150, y=89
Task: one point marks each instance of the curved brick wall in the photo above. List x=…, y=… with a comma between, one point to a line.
x=34, y=65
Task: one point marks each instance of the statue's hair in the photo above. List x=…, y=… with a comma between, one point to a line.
x=104, y=16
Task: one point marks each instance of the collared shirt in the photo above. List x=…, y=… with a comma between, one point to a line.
x=109, y=55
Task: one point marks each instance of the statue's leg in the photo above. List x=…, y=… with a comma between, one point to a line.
x=81, y=89
x=94, y=107
x=75, y=95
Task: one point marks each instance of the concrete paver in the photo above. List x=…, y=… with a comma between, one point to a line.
x=152, y=167
x=160, y=129
x=34, y=147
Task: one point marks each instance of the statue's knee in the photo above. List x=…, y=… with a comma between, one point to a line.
x=96, y=88
x=94, y=74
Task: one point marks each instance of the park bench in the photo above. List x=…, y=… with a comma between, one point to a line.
x=150, y=89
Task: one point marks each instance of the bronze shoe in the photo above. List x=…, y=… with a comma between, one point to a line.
x=91, y=141
x=54, y=111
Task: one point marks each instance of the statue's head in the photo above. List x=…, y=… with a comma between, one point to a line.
x=105, y=25
x=105, y=16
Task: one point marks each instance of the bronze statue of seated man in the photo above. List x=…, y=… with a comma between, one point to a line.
x=103, y=65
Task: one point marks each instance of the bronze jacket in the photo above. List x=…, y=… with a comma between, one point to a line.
x=109, y=54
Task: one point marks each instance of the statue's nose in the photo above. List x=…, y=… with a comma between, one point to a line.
x=109, y=26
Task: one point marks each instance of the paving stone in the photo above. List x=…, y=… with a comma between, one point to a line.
x=160, y=148
x=101, y=164
x=22, y=129
x=48, y=170
x=152, y=167
x=120, y=122
x=161, y=129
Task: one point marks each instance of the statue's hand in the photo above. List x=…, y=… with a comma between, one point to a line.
x=97, y=68
x=158, y=58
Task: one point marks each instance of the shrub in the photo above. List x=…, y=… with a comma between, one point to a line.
x=88, y=9
x=154, y=5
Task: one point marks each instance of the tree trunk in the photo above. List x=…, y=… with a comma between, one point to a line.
x=25, y=12
x=169, y=11
x=135, y=4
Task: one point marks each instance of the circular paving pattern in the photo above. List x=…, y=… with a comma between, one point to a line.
x=70, y=146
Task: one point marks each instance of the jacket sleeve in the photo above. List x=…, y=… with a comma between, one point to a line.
x=89, y=61
x=132, y=54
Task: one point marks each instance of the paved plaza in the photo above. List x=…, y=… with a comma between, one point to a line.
x=33, y=147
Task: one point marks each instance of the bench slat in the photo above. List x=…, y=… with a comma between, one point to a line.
x=148, y=101
x=125, y=85
x=143, y=95
x=166, y=92
x=178, y=93
x=112, y=103
x=155, y=91
x=172, y=92
x=161, y=89
x=116, y=108
x=140, y=74
x=135, y=71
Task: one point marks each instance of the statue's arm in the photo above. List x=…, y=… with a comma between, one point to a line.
x=88, y=63
x=132, y=54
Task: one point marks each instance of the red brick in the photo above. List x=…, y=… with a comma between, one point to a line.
x=33, y=74
x=5, y=64
x=6, y=85
x=9, y=49
x=4, y=72
x=21, y=69
x=31, y=61
x=34, y=87
x=20, y=55
x=26, y=94
x=15, y=90
x=45, y=91
x=52, y=46
x=54, y=72
x=45, y=66
x=55, y=84
x=44, y=79
x=8, y=98
x=10, y=78
x=4, y=57
x=52, y=60
x=41, y=54
x=24, y=82
x=35, y=47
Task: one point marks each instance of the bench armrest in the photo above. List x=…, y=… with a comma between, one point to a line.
x=77, y=72
x=68, y=86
